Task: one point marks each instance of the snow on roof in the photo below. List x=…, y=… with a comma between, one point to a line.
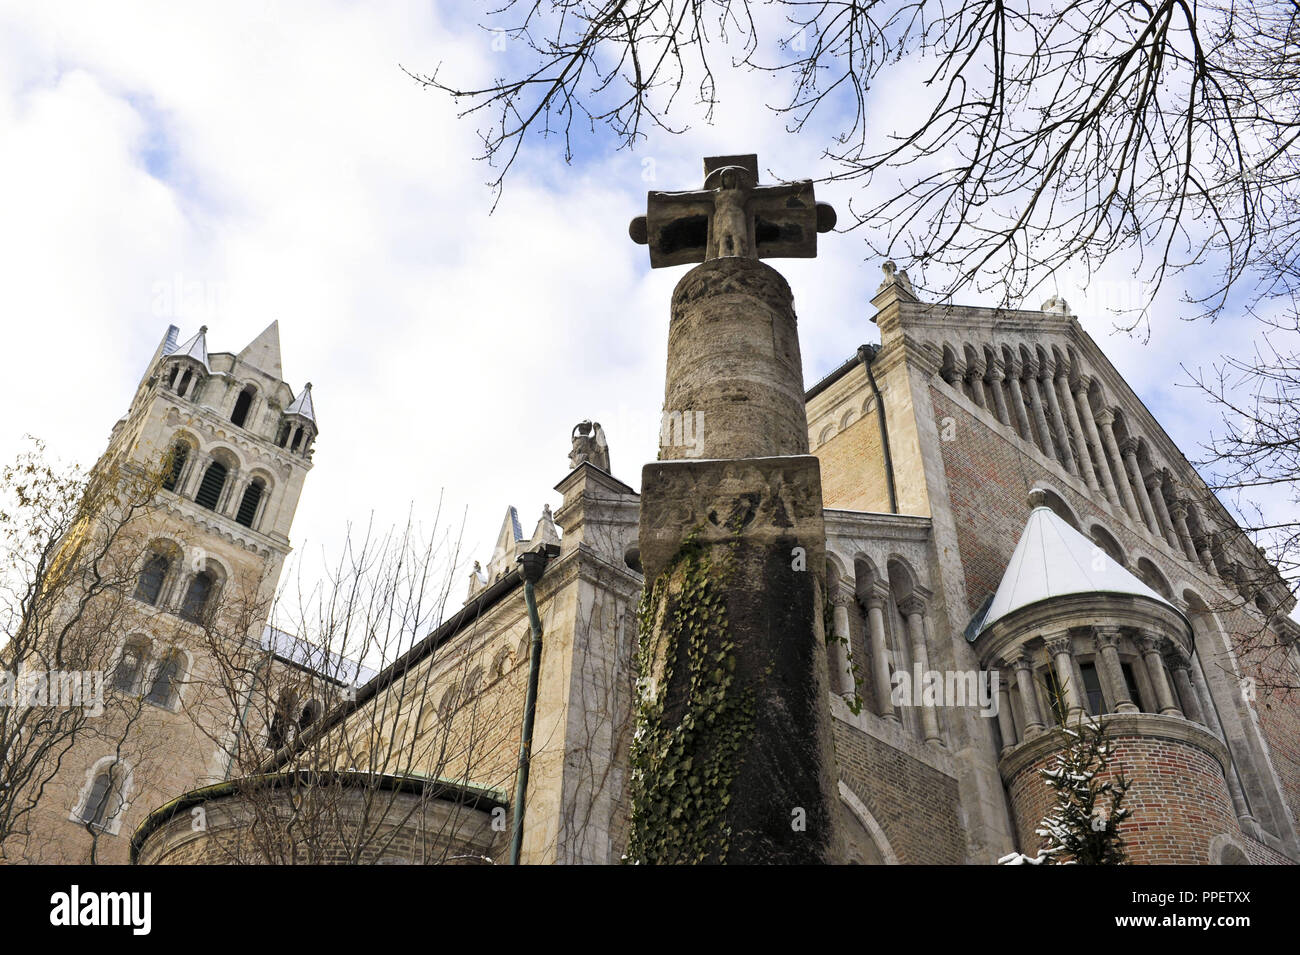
x=330, y=665
x=1052, y=559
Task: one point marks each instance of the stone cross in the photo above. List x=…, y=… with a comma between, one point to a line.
x=732, y=216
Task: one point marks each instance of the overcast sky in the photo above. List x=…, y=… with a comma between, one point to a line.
x=275, y=157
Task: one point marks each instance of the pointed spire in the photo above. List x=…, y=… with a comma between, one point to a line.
x=264, y=351
x=546, y=531
x=196, y=347
x=303, y=405
x=507, y=546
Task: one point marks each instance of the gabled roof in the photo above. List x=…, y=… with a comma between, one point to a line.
x=1052, y=559
x=302, y=405
x=196, y=347
x=263, y=352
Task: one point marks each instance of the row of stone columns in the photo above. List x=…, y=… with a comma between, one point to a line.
x=1166, y=667
x=1053, y=410
x=913, y=609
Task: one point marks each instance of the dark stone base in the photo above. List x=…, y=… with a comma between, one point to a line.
x=762, y=520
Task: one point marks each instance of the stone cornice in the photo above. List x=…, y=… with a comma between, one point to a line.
x=1071, y=611
x=903, y=527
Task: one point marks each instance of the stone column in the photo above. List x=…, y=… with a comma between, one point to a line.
x=189, y=483
x=1205, y=551
x=1028, y=694
x=880, y=657
x=1013, y=373
x=1178, y=514
x=1105, y=421
x=1066, y=454
x=913, y=609
x=1147, y=515
x=841, y=655
x=1155, y=664
x=1154, y=484
x=1112, y=670
x=739, y=521
x=1040, y=420
x=995, y=385
x=975, y=379
x=1090, y=426
x=1061, y=651
x=1006, y=723
x=1080, y=438
x=1179, y=666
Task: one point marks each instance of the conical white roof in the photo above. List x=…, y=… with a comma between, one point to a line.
x=1052, y=559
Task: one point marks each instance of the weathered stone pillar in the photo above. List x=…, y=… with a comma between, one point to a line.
x=1006, y=722
x=1082, y=386
x=1080, y=438
x=1060, y=649
x=1018, y=402
x=1106, y=421
x=733, y=363
x=1040, y=420
x=1155, y=481
x=975, y=380
x=733, y=759
x=1112, y=671
x=841, y=655
x=1178, y=514
x=880, y=657
x=1066, y=454
x=1028, y=695
x=1147, y=515
x=1179, y=666
x=995, y=377
x=913, y=608
x=1155, y=666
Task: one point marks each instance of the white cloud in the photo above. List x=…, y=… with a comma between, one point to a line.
x=276, y=155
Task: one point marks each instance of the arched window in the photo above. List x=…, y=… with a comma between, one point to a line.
x=248, y=505
x=242, y=405
x=297, y=439
x=185, y=383
x=162, y=691
x=282, y=438
x=179, y=454
x=214, y=481
x=149, y=586
x=97, y=809
x=1107, y=542
x=428, y=717
x=198, y=596
x=448, y=702
x=130, y=665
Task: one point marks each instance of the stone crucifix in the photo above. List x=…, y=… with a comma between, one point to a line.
x=732, y=216
x=738, y=740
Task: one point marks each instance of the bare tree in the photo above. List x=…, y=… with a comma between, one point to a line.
x=1050, y=134
x=71, y=545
